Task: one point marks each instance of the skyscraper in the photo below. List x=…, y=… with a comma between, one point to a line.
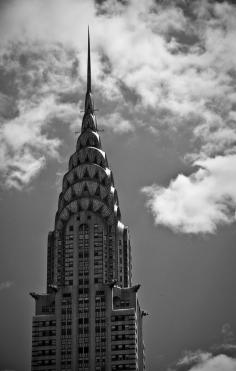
x=89, y=318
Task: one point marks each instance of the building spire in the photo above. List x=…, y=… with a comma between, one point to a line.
x=89, y=119
x=88, y=66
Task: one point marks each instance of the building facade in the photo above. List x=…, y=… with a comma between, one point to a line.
x=89, y=318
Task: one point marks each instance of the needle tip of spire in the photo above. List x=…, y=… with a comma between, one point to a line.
x=89, y=66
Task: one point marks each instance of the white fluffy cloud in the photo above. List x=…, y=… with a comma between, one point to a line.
x=24, y=146
x=204, y=361
x=199, y=202
x=218, y=363
x=219, y=358
x=38, y=93
x=117, y=123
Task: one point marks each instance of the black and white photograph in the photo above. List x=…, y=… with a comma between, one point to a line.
x=117, y=185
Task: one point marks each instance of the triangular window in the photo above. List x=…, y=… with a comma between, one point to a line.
x=96, y=175
x=97, y=193
x=86, y=173
x=86, y=188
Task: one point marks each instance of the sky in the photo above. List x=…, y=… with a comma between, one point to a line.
x=163, y=79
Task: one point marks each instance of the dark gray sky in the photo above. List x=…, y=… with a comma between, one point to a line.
x=163, y=76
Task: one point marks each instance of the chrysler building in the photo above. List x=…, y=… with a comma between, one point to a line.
x=89, y=318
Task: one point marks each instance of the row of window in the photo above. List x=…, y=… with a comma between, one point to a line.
x=123, y=318
x=122, y=337
x=38, y=333
x=43, y=352
x=43, y=362
x=123, y=357
x=44, y=323
x=123, y=367
x=123, y=347
x=123, y=327
x=42, y=343
x=49, y=309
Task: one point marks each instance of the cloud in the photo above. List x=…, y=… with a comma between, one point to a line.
x=191, y=359
x=201, y=361
x=221, y=357
x=117, y=123
x=199, y=202
x=40, y=88
x=220, y=363
x=24, y=147
x=5, y=285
